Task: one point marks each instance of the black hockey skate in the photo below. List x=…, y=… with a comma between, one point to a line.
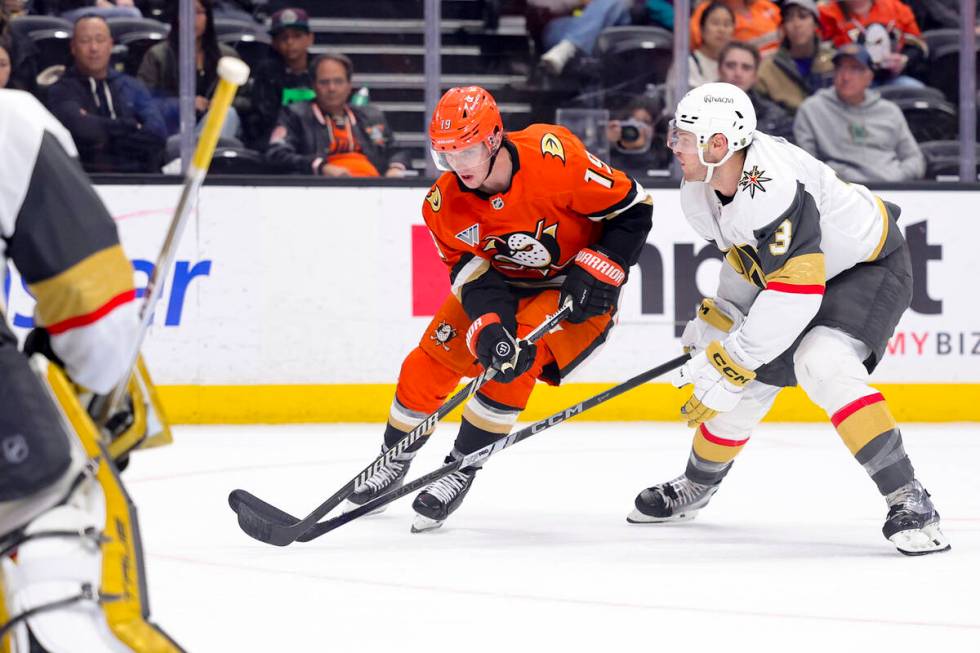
x=388, y=477
x=434, y=504
x=912, y=524
x=673, y=501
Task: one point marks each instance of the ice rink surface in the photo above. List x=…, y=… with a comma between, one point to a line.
x=789, y=555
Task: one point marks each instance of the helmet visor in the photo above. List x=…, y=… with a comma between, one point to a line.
x=467, y=158
x=681, y=141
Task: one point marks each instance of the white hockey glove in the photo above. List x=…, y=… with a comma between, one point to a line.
x=713, y=320
x=718, y=384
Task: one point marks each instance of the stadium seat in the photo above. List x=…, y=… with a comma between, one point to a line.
x=51, y=36
x=943, y=158
x=944, y=61
x=631, y=57
x=929, y=117
x=133, y=37
x=224, y=26
x=253, y=47
x=27, y=25
x=237, y=161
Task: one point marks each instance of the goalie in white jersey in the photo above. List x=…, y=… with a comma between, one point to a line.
x=817, y=276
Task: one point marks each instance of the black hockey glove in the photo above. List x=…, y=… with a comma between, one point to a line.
x=593, y=283
x=496, y=348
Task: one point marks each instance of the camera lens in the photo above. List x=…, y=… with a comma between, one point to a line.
x=629, y=134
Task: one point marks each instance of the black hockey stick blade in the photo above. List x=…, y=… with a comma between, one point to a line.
x=266, y=523
x=482, y=454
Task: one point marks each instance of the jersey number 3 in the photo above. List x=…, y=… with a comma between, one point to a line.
x=781, y=238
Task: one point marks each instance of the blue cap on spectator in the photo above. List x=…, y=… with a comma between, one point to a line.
x=854, y=51
x=289, y=18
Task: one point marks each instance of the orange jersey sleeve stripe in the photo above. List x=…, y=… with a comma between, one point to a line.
x=85, y=288
x=94, y=316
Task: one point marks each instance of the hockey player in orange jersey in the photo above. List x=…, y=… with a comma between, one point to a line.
x=523, y=220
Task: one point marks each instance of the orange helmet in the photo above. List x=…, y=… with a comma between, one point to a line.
x=464, y=117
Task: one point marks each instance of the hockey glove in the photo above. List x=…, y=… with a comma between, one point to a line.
x=714, y=319
x=718, y=384
x=496, y=348
x=593, y=284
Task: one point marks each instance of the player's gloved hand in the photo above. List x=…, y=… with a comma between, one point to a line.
x=718, y=384
x=593, y=284
x=496, y=348
x=713, y=320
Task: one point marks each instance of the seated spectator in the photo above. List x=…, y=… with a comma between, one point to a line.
x=21, y=51
x=72, y=10
x=159, y=71
x=802, y=65
x=738, y=64
x=862, y=136
x=566, y=36
x=329, y=137
x=717, y=25
x=634, y=146
x=756, y=22
x=111, y=116
x=886, y=28
x=4, y=67
x=282, y=80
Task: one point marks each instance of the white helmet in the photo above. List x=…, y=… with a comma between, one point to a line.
x=716, y=108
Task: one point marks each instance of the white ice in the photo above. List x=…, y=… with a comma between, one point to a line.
x=789, y=555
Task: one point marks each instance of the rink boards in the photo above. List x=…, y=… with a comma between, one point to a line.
x=299, y=303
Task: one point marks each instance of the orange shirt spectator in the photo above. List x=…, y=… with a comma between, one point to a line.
x=756, y=22
x=843, y=21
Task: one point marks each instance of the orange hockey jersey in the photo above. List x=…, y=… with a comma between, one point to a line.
x=561, y=199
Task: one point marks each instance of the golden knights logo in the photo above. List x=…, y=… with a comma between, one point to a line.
x=752, y=180
x=524, y=250
x=443, y=333
x=551, y=146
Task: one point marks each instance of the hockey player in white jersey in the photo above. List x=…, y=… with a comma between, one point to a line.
x=817, y=275
x=71, y=567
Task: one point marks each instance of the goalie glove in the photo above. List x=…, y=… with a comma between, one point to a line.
x=496, y=348
x=718, y=384
x=714, y=319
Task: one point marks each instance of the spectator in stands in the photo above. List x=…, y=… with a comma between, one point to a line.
x=634, y=145
x=756, y=22
x=328, y=136
x=717, y=24
x=738, y=64
x=4, y=67
x=159, y=70
x=114, y=121
x=802, y=65
x=862, y=136
x=282, y=80
x=566, y=36
x=886, y=28
x=72, y=10
x=14, y=8
x=21, y=51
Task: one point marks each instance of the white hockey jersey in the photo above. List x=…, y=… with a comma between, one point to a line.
x=792, y=226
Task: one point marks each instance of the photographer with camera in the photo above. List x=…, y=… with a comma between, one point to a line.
x=634, y=145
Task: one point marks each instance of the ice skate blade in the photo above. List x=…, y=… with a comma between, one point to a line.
x=349, y=505
x=637, y=517
x=921, y=541
x=423, y=524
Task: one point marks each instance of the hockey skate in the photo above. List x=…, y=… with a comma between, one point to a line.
x=912, y=524
x=388, y=477
x=673, y=501
x=435, y=503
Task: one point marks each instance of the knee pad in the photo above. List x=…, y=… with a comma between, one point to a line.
x=829, y=368
x=78, y=582
x=424, y=383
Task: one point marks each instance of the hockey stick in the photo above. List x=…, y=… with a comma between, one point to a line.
x=482, y=454
x=232, y=73
x=268, y=524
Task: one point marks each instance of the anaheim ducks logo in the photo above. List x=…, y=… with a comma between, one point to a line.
x=434, y=198
x=551, y=146
x=523, y=250
x=443, y=333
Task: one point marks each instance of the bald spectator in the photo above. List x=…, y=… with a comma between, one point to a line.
x=114, y=121
x=862, y=136
x=802, y=65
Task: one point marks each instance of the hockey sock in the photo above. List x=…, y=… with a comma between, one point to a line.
x=868, y=429
x=711, y=456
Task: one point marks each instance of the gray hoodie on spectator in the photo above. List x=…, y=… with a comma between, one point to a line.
x=864, y=143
